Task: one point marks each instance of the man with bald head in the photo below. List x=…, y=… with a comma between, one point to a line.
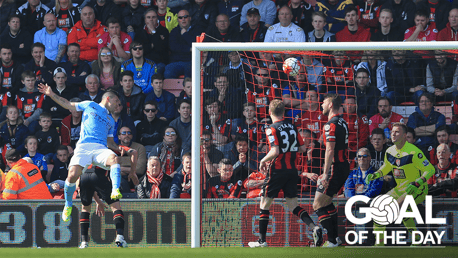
x=223, y=31
x=449, y=32
x=444, y=181
x=54, y=39
x=87, y=33
x=285, y=30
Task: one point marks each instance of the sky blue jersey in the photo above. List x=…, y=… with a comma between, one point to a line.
x=96, y=124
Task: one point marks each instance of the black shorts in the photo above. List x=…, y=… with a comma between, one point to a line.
x=91, y=182
x=277, y=180
x=340, y=172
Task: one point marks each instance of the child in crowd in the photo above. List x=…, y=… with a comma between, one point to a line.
x=31, y=144
x=60, y=170
x=186, y=93
x=48, y=137
x=13, y=131
x=28, y=99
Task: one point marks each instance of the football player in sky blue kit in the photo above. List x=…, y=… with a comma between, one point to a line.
x=97, y=130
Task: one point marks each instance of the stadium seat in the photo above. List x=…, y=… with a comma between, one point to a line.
x=174, y=86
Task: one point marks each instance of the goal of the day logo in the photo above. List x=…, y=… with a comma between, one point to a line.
x=385, y=210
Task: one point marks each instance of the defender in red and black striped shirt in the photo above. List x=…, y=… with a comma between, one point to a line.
x=285, y=144
x=336, y=167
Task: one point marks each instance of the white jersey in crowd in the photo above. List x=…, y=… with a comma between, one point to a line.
x=291, y=33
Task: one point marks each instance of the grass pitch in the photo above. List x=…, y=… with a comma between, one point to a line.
x=277, y=252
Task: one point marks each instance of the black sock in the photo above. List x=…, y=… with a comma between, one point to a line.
x=84, y=223
x=326, y=221
x=302, y=213
x=332, y=211
x=118, y=218
x=263, y=223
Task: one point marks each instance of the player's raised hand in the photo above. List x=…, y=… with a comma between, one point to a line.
x=45, y=89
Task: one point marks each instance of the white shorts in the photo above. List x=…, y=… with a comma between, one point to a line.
x=90, y=153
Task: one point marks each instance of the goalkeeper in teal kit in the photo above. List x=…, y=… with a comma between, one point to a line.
x=410, y=168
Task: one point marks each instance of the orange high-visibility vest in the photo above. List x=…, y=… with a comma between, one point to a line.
x=24, y=181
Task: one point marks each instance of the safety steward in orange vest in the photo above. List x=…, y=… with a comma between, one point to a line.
x=23, y=180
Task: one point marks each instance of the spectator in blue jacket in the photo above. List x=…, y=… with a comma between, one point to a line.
x=76, y=68
x=355, y=184
x=425, y=120
x=181, y=183
x=165, y=100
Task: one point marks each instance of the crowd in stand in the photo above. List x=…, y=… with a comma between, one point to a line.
x=83, y=48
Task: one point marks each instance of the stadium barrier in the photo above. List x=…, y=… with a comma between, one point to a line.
x=167, y=223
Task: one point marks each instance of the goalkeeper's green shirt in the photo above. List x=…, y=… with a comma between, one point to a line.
x=408, y=164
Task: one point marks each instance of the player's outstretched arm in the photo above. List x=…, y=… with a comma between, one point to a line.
x=46, y=90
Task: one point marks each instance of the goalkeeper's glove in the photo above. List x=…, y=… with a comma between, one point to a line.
x=413, y=186
x=373, y=176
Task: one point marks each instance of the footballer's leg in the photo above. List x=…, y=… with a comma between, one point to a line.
x=84, y=224
x=326, y=212
x=118, y=218
x=113, y=162
x=305, y=217
x=263, y=222
x=74, y=173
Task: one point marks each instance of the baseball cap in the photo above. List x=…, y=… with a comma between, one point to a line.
x=252, y=10
x=59, y=70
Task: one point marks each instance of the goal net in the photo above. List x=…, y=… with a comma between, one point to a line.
x=233, y=84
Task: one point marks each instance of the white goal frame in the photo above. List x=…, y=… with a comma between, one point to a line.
x=285, y=46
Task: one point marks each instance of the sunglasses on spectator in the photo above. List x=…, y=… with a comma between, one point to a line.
x=106, y=54
x=363, y=156
x=170, y=133
x=183, y=17
x=137, y=48
x=126, y=132
x=150, y=110
x=206, y=139
x=262, y=74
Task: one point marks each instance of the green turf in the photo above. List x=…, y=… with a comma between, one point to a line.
x=277, y=252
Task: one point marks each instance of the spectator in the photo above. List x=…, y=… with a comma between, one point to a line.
x=38, y=159
x=209, y=68
x=294, y=93
x=169, y=151
x=41, y=65
x=20, y=178
x=10, y=71
x=155, y=184
x=165, y=100
x=233, y=10
x=183, y=123
x=312, y=117
x=53, y=38
x=29, y=100
x=243, y=160
x=104, y=10
x=368, y=13
x=116, y=40
x=425, y=120
x=424, y=30
x=444, y=180
x=93, y=91
x=302, y=14
x=181, y=39
x=411, y=137
x=385, y=117
x=224, y=185
x=438, y=11
x=132, y=18
x=387, y=32
x=7, y=9
x=285, y=30
x=442, y=136
x=13, y=131
x=141, y=67
x=210, y=155
x=67, y=14
x=263, y=90
x=75, y=67
x=408, y=81
x=70, y=128
x=60, y=169
x=358, y=127
x=377, y=148
x=442, y=77
x=266, y=8
x=181, y=183
x=19, y=39
x=238, y=71
x=151, y=128
x=48, y=138
x=314, y=70
x=254, y=30
x=335, y=13
x=249, y=125
x=356, y=185
x=186, y=93
x=61, y=89
x=131, y=96
x=229, y=98
x=202, y=12
x=449, y=32
x=254, y=183
x=353, y=33
x=310, y=163
x=86, y=33
x=155, y=40
x=106, y=68
x=32, y=15
x=125, y=139
x=338, y=75
x=403, y=13
x=373, y=62
x=167, y=19
x=121, y=119
x=319, y=33
x=366, y=95
x=222, y=31
x=216, y=123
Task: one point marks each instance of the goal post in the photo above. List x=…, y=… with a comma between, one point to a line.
x=197, y=94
